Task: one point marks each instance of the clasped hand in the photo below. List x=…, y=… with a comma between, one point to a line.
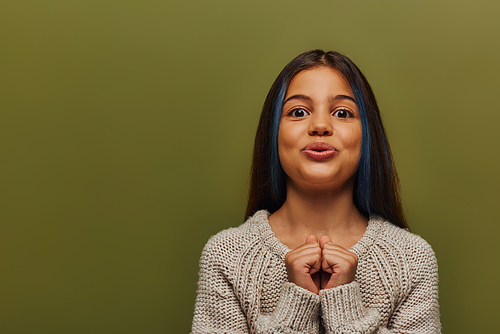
x=320, y=264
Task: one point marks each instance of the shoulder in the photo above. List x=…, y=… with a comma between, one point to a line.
x=399, y=244
x=223, y=248
x=405, y=239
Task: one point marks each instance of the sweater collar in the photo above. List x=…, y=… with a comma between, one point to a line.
x=261, y=222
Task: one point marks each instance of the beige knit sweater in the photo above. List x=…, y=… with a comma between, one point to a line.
x=243, y=286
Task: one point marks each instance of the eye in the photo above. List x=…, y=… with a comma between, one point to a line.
x=343, y=113
x=298, y=113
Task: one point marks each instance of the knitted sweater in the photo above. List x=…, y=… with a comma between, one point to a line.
x=243, y=286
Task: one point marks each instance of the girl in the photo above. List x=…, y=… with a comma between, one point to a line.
x=326, y=246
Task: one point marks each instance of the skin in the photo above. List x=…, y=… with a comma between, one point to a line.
x=319, y=107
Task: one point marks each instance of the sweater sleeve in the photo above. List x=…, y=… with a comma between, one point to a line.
x=218, y=308
x=297, y=312
x=344, y=312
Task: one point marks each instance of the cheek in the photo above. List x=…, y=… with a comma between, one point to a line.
x=352, y=142
x=351, y=137
x=283, y=146
x=288, y=138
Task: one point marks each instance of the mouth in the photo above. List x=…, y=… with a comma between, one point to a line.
x=319, y=150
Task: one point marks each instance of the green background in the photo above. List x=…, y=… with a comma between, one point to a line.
x=126, y=130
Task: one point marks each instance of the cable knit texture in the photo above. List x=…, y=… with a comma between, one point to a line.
x=243, y=285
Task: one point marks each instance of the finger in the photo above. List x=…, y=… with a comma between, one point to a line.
x=351, y=256
x=315, y=264
x=304, y=249
x=312, y=261
x=328, y=263
x=331, y=263
x=311, y=238
x=301, y=269
x=324, y=240
x=310, y=258
x=331, y=245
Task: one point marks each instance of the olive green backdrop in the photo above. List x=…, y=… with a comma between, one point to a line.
x=126, y=131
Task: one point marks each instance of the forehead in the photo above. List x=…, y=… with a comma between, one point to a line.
x=319, y=81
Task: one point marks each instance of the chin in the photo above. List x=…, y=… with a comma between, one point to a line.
x=322, y=181
x=318, y=183
x=321, y=177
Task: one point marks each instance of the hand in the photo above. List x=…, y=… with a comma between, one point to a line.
x=338, y=265
x=303, y=265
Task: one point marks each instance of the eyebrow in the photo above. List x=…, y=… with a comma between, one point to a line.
x=332, y=98
x=343, y=97
x=298, y=97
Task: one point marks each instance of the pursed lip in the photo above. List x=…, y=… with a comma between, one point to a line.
x=319, y=150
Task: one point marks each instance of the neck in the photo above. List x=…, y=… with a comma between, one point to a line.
x=328, y=212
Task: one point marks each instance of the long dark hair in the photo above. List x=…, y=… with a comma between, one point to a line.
x=376, y=185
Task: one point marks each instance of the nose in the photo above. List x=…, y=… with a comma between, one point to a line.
x=320, y=125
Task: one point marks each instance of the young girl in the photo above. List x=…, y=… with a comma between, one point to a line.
x=326, y=247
